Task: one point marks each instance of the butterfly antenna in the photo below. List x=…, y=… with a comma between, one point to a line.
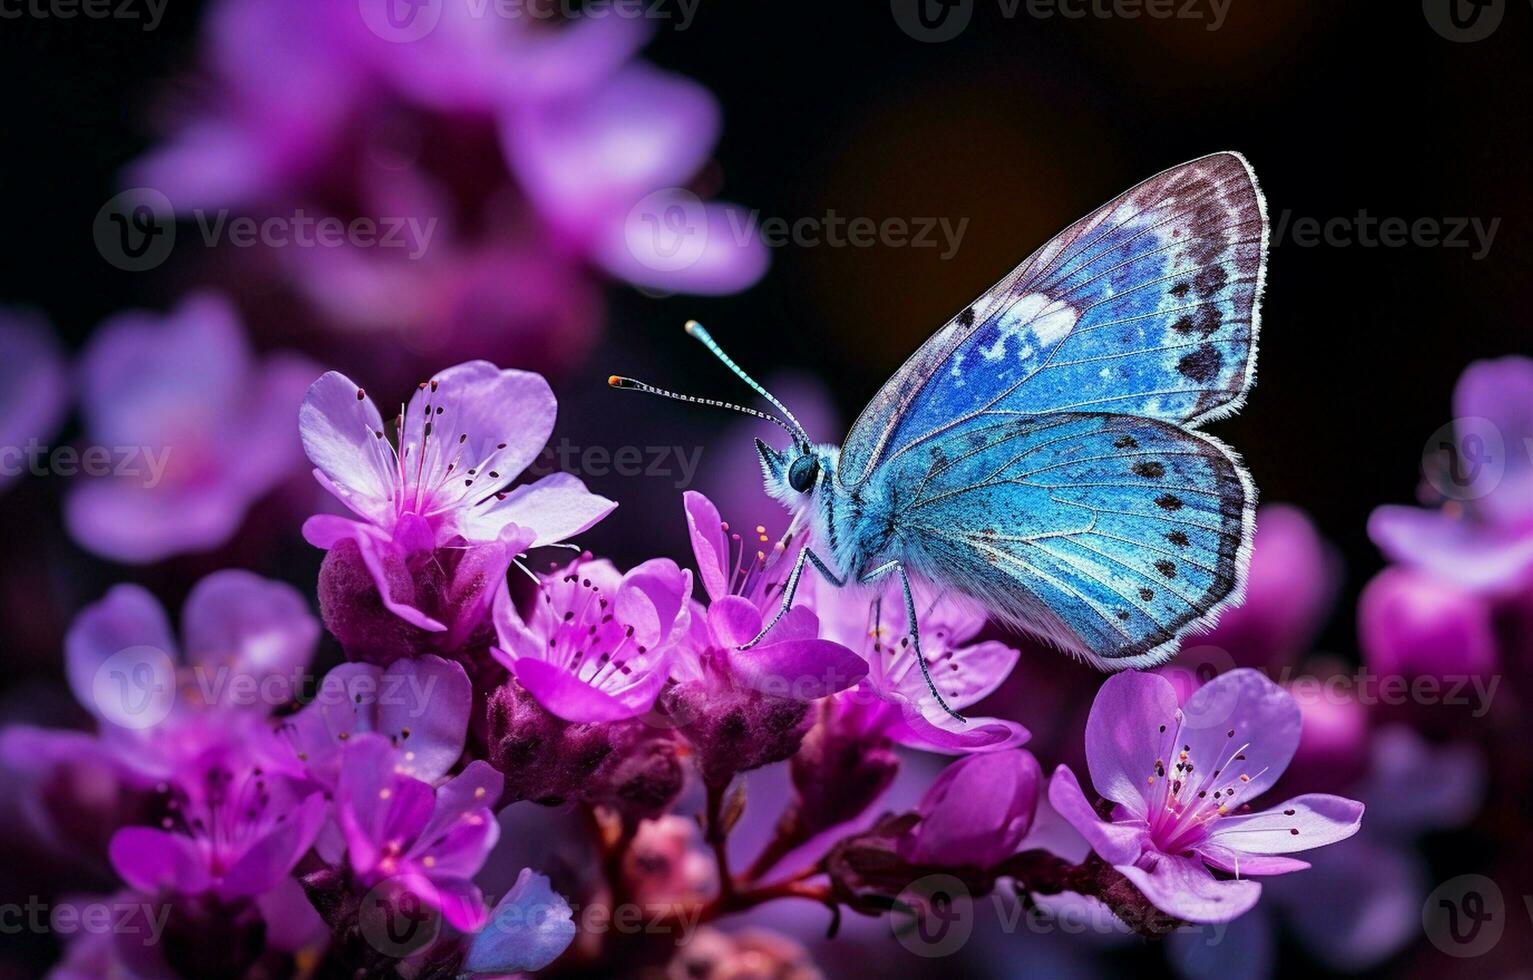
x=629, y=384
x=697, y=332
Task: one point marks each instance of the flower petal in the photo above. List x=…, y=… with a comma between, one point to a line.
x=557, y=508
x=734, y=621
x=269, y=859
x=710, y=545
x=924, y=725
x=127, y=618
x=1116, y=843
x=153, y=860
x=565, y=695
x=527, y=930
x=977, y=811
x=1475, y=555
x=1311, y=820
x=1243, y=865
x=803, y=670
x=1501, y=392
x=1241, y=724
x=1125, y=735
x=341, y=431
x=423, y=705
x=1184, y=888
x=255, y=626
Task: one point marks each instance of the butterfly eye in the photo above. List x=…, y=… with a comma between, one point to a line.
x=802, y=474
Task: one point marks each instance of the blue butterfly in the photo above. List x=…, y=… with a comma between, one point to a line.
x=1041, y=453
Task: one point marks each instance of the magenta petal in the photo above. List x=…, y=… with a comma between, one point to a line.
x=461, y=903
x=1242, y=708
x=977, y=812
x=710, y=545
x=1411, y=624
x=1243, y=865
x=713, y=249
x=1474, y=555
x=734, y=621
x=423, y=704
x=800, y=669
x=291, y=921
x=1184, y=888
x=127, y=618
x=556, y=508
x=1116, y=843
x=337, y=423
x=1501, y=392
x=1122, y=743
x=650, y=599
x=1304, y=822
x=327, y=530
x=258, y=627
x=572, y=699
x=377, y=551
x=154, y=860
x=920, y=727
x=268, y=860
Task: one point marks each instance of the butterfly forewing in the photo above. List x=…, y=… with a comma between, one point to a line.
x=1146, y=307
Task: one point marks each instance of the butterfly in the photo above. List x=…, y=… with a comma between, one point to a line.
x=1041, y=453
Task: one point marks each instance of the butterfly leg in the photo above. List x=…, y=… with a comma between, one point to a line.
x=790, y=590
x=915, y=630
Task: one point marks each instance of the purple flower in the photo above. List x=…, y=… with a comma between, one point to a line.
x=34, y=382
x=598, y=644
x=402, y=833
x=196, y=427
x=893, y=701
x=1412, y=623
x=464, y=437
x=421, y=705
x=1289, y=592
x=977, y=812
x=742, y=709
x=744, y=582
x=1181, y=778
x=245, y=644
x=232, y=827
x=1482, y=536
x=527, y=930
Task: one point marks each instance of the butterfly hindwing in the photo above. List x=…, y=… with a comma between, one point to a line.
x=1111, y=535
x=1146, y=307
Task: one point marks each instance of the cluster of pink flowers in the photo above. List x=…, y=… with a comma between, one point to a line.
x=278, y=817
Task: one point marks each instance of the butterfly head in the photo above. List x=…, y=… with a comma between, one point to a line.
x=792, y=475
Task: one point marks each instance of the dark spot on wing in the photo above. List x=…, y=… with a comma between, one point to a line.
x=1178, y=538
x=1202, y=365
x=1180, y=289
x=966, y=318
x=1168, y=501
x=1184, y=326
x=1127, y=442
x=1210, y=320
x=1150, y=470
x=1210, y=280
x=1166, y=568
x=1146, y=594
x=1123, y=615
